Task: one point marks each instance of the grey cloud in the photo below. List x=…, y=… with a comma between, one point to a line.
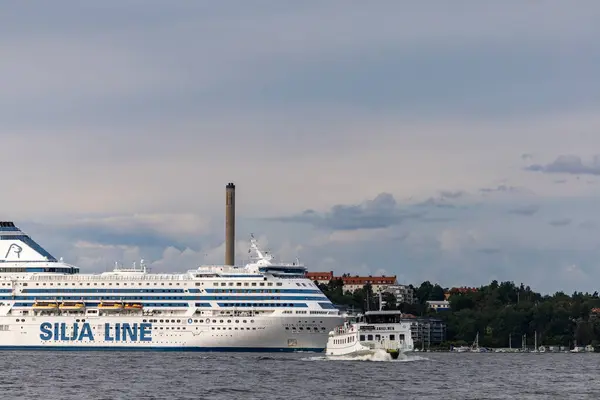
x=525, y=210
x=560, y=222
x=526, y=156
x=559, y=181
x=104, y=55
x=381, y=212
x=568, y=164
x=128, y=237
x=436, y=203
x=401, y=238
x=489, y=250
x=501, y=188
x=442, y=201
x=128, y=230
x=448, y=194
x=437, y=219
x=588, y=225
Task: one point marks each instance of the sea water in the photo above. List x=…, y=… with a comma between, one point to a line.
x=154, y=375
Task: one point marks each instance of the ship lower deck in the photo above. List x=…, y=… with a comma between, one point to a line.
x=176, y=333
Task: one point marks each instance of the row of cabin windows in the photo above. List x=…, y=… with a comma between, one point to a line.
x=236, y=328
x=349, y=339
x=197, y=320
x=316, y=329
x=95, y=284
x=65, y=270
x=378, y=337
x=246, y=291
x=155, y=284
x=244, y=283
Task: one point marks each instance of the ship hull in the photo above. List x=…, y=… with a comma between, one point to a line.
x=127, y=333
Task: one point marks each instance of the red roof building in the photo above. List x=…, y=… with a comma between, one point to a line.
x=320, y=277
x=353, y=283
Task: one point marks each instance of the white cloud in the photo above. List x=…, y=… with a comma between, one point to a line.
x=453, y=240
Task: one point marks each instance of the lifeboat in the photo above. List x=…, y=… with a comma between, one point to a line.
x=110, y=305
x=45, y=305
x=133, y=306
x=71, y=306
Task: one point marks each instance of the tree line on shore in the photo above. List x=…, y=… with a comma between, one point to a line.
x=501, y=313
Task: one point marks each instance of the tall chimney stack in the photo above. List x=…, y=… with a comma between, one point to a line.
x=230, y=224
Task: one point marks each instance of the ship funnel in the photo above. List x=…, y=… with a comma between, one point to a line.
x=230, y=224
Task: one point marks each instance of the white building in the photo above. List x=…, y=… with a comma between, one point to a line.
x=438, y=305
x=403, y=293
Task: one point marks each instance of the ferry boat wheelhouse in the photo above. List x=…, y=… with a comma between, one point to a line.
x=261, y=306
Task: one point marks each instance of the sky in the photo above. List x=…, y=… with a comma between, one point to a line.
x=456, y=143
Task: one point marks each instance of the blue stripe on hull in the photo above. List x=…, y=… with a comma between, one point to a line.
x=184, y=349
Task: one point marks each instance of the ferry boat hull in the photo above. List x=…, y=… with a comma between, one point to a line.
x=361, y=350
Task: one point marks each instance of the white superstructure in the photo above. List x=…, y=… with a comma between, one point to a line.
x=262, y=306
x=374, y=331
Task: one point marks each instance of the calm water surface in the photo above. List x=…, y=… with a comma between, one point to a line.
x=149, y=375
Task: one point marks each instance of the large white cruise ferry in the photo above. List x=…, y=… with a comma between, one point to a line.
x=262, y=306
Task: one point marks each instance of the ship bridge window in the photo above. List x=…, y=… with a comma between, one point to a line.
x=270, y=284
x=238, y=284
x=262, y=284
x=245, y=283
x=253, y=283
x=278, y=283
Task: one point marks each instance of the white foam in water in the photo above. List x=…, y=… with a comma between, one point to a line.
x=379, y=355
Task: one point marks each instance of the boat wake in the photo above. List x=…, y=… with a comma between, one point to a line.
x=379, y=356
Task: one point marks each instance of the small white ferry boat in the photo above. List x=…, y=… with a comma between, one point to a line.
x=369, y=333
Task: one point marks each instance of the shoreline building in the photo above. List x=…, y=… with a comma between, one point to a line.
x=354, y=283
x=426, y=331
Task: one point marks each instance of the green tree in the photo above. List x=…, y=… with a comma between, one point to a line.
x=496, y=311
